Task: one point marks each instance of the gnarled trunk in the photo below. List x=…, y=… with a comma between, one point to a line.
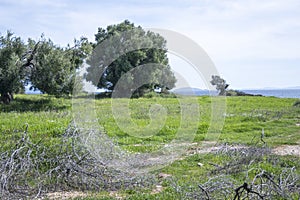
x=6, y=97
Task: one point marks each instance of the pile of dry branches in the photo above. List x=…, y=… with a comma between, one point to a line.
x=258, y=183
x=31, y=170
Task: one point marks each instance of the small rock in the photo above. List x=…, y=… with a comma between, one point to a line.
x=157, y=189
x=162, y=175
x=200, y=164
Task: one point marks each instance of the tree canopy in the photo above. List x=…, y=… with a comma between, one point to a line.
x=46, y=66
x=220, y=84
x=127, y=47
x=55, y=67
x=51, y=68
x=11, y=74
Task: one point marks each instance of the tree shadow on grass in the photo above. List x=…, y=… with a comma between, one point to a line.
x=27, y=104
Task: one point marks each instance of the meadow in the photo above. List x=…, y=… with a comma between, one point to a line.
x=242, y=154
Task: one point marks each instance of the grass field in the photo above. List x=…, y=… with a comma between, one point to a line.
x=245, y=118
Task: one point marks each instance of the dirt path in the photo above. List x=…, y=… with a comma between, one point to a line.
x=208, y=147
x=65, y=195
x=287, y=150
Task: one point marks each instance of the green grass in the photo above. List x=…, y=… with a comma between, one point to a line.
x=245, y=117
x=244, y=121
x=47, y=118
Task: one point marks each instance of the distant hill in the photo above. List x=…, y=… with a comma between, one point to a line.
x=191, y=91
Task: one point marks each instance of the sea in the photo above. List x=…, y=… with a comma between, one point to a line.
x=281, y=93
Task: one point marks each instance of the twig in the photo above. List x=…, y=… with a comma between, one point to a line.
x=205, y=192
x=245, y=187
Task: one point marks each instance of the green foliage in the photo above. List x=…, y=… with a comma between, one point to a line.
x=151, y=95
x=110, y=62
x=220, y=84
x=297, y=103
x=156, y=94
x=55, y=67
x=45, y=65
x=52, y=69
x=11, y=73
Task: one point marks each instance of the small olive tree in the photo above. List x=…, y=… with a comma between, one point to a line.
x=54, y=67
x=11, y=73
x=220, y=84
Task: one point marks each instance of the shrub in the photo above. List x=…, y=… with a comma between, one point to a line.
x=297, y=103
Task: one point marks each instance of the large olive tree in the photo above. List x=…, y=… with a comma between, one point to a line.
x=125, y=36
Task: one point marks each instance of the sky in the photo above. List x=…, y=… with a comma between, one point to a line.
x=253, y=43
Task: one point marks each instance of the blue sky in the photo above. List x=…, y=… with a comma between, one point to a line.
x=254, y=44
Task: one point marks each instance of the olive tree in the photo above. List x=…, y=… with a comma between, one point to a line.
x=54, y=67
x=118, y=38
x=12, y=49
x=220, y=84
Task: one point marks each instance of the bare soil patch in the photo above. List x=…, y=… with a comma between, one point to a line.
x=209, y=147
x=65, y=195
x=287, y=150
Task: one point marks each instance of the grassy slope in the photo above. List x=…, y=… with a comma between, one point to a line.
x=245, y=119
x=248, y=115
x=48, y=117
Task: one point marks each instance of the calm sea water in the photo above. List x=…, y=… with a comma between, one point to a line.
x=281, y=93
x=285, y=93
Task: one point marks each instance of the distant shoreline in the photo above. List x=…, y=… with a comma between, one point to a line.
x=280, y=93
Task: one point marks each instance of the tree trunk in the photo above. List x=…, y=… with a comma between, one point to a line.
x=6, y=97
